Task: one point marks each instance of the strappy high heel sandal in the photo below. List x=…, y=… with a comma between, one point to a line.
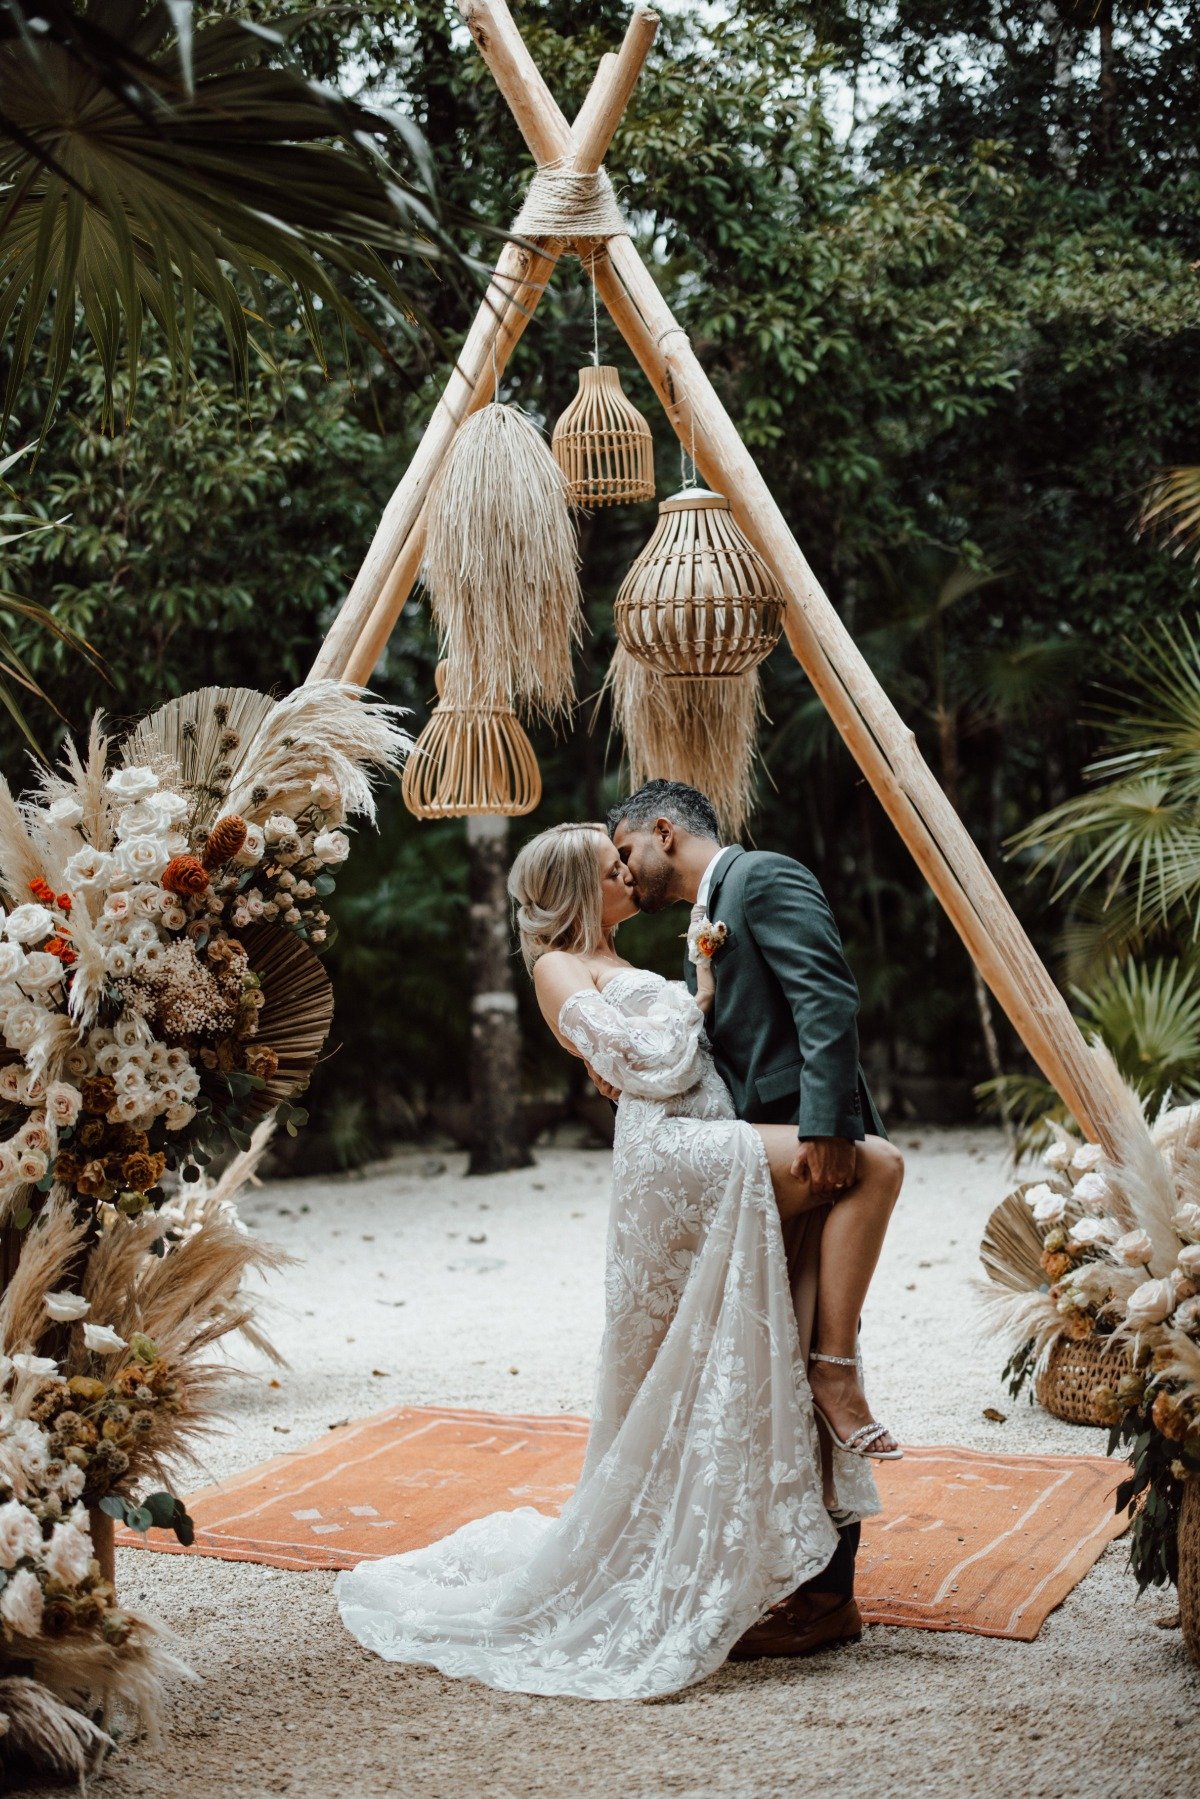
x=859, y=1441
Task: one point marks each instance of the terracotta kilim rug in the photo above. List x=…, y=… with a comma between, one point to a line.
x=982, y=1543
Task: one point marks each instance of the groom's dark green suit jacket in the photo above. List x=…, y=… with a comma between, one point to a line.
x=784, y=1022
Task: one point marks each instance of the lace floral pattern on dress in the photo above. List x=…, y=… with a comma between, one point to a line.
x=700, y=1502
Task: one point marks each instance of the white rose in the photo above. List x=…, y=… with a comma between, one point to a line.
x=32, y=1164
x=137, y=821
x=77, y=1061
x=12, y=1083
x=20, y=1534
x=331, y=846
x=35, y=1089
x=253, y=849
x=35, y=1364
x=12, y=961
x=1092, y=1190
x=126, y=1108
x=29, y=923
x=326, y=793
x=132, y=783
x=71, y=1482
x=41, y=971
x=1057, y=1156
x=1189, y=1260
x=1046, y=1203
x=63, y=1103
x=174, y=918
x=189, y=1083
x=22, y=1026
x=1093, y=1230
x=102, y=1339
x=167, y=808
x=178, y=1117
x=66, y=810
x=1134, y=1249
x=36, y=1134
x=119, y=961
x=142, y=858
x=89, y=867
x=1087, y=1157
x=1187, y=1221
x=277, y=826
x=1150, y=1303
x=141, y=933
x=21, y=1604
x=117, y=905
x=66, y=1307
x=67, y=1554
x=151, y=958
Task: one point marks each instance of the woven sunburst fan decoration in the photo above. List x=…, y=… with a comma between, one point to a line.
x=602, y=443
x=472, y=757
x=298, y=1013
x=699, y=601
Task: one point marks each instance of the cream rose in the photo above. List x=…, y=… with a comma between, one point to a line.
x=118, y=905
x=22, y=1026
x=279, y=825
x=62, y=1104
x=37, y=1135
x=1187, y=1221
x=253, y=848
x=132, y=783
x=1087, y=1157
x=41, y=971
x=29, y=923
x=179, y=1116
x=65, y=810
x=12, y=1083
x=331, y=846
x=1092, y=1190
x=102, y=1339
x=142, y=858
x=68, y=1554
x=1057, y=1156
x=20, y=1534
x=12, y=961
x=1093, y=1230
x=32, y=1164
x=1189, y=1260
x=1150, y=1303
x=66, y=1308
x=1046, y=1203
x=21, y=1603
x=89, y=868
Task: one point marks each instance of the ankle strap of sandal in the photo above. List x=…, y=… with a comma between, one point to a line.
x=843, y=1361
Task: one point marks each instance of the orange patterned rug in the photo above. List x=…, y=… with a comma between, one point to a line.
x=982, y=1543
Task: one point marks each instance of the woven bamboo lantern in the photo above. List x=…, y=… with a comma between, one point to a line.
x=603, y=445
x=471, y=758
x=699, y=601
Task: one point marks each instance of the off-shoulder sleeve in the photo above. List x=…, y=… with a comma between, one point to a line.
x=653, y=1055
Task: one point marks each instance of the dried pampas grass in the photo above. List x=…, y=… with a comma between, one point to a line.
x=39, y=1726
x=329, y=731
x=49, y=1248
x=699, y=731
x=1140, y=1171
x=502, y=563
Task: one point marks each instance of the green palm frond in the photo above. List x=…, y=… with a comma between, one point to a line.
x=1172, y=509
x=1149, y=1016
x=1011, y=684
x=145, y=169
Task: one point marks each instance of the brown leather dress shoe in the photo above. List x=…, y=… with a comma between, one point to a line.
x=801, y=1625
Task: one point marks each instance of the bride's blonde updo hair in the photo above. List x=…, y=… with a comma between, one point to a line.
x=554, y=884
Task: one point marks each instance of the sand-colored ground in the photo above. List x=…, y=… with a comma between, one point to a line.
x=488, y=1293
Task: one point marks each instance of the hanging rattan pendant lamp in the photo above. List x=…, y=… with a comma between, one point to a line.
x=602, y=443
x=700, y=600
x=472, y=757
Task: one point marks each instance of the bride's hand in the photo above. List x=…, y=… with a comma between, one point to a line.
x=706, y=985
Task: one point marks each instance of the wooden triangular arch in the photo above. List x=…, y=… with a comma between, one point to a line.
x=883, y=746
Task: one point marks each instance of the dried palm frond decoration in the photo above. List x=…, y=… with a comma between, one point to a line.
x=296, y=1017
x=702, y=732
x=699, y=602
x=1011, y=1250
x=472, y=757
x=502, y=563
x=602, y=443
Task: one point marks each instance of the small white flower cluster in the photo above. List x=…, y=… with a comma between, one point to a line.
x=294, y=854
x=43, y=1523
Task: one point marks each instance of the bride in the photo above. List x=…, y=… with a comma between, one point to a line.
x=705, y=1497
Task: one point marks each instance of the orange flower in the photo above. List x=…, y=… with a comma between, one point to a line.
x=185, y=874
x=42, y=890
x=58, y=946
x=64, y=902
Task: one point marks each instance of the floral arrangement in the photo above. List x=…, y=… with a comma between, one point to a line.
x=1107, y=1248
x=161, y=997
x=704, y=939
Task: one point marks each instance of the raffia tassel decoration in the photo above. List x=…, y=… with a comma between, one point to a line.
x=471, y=758
x=699, y=601
x=701, y=732
x=603, y=445
x=502, y=563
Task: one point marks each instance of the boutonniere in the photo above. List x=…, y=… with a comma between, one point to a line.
x=704, y=939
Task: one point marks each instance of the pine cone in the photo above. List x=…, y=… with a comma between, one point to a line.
x=184, y=875
x=224, y=841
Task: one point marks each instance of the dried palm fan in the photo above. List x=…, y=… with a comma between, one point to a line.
x=298, y=1012
x=472, y=757
x=1011, y=1250
x=200, y=735
x=702, y=732
x=602, y=443
x=501, y=563
x=699, y=601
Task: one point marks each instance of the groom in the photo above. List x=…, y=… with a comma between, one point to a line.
x=784, y=1033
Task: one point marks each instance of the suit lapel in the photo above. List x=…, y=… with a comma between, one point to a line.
x=720, y=871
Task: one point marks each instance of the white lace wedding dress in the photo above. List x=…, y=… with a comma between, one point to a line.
x=700, y=1501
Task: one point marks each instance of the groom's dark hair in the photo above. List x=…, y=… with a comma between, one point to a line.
x=686, y=807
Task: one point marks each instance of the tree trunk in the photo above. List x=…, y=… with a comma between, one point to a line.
x=497, y=1125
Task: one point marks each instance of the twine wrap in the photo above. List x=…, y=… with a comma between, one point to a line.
x=561, y=203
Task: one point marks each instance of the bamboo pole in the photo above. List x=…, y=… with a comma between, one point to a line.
x=883, y=746
x=369, y=612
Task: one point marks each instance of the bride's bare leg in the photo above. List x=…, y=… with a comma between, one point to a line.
x=851, y=1239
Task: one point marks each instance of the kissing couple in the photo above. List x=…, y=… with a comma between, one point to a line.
x=728, y=1457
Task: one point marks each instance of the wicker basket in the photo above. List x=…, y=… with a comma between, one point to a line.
x=603, y=445
x=1189, y=1567
x=699, y=601
x=1067, y=1385
x=470, y=759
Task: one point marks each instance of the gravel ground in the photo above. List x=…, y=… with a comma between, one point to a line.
x=417, y=1285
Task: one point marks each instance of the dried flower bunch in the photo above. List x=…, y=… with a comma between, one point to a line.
x=1109, y=1247
x=160, y=993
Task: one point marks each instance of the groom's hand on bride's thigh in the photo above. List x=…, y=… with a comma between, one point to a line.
x=829, y=1163
x=606, y=1087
